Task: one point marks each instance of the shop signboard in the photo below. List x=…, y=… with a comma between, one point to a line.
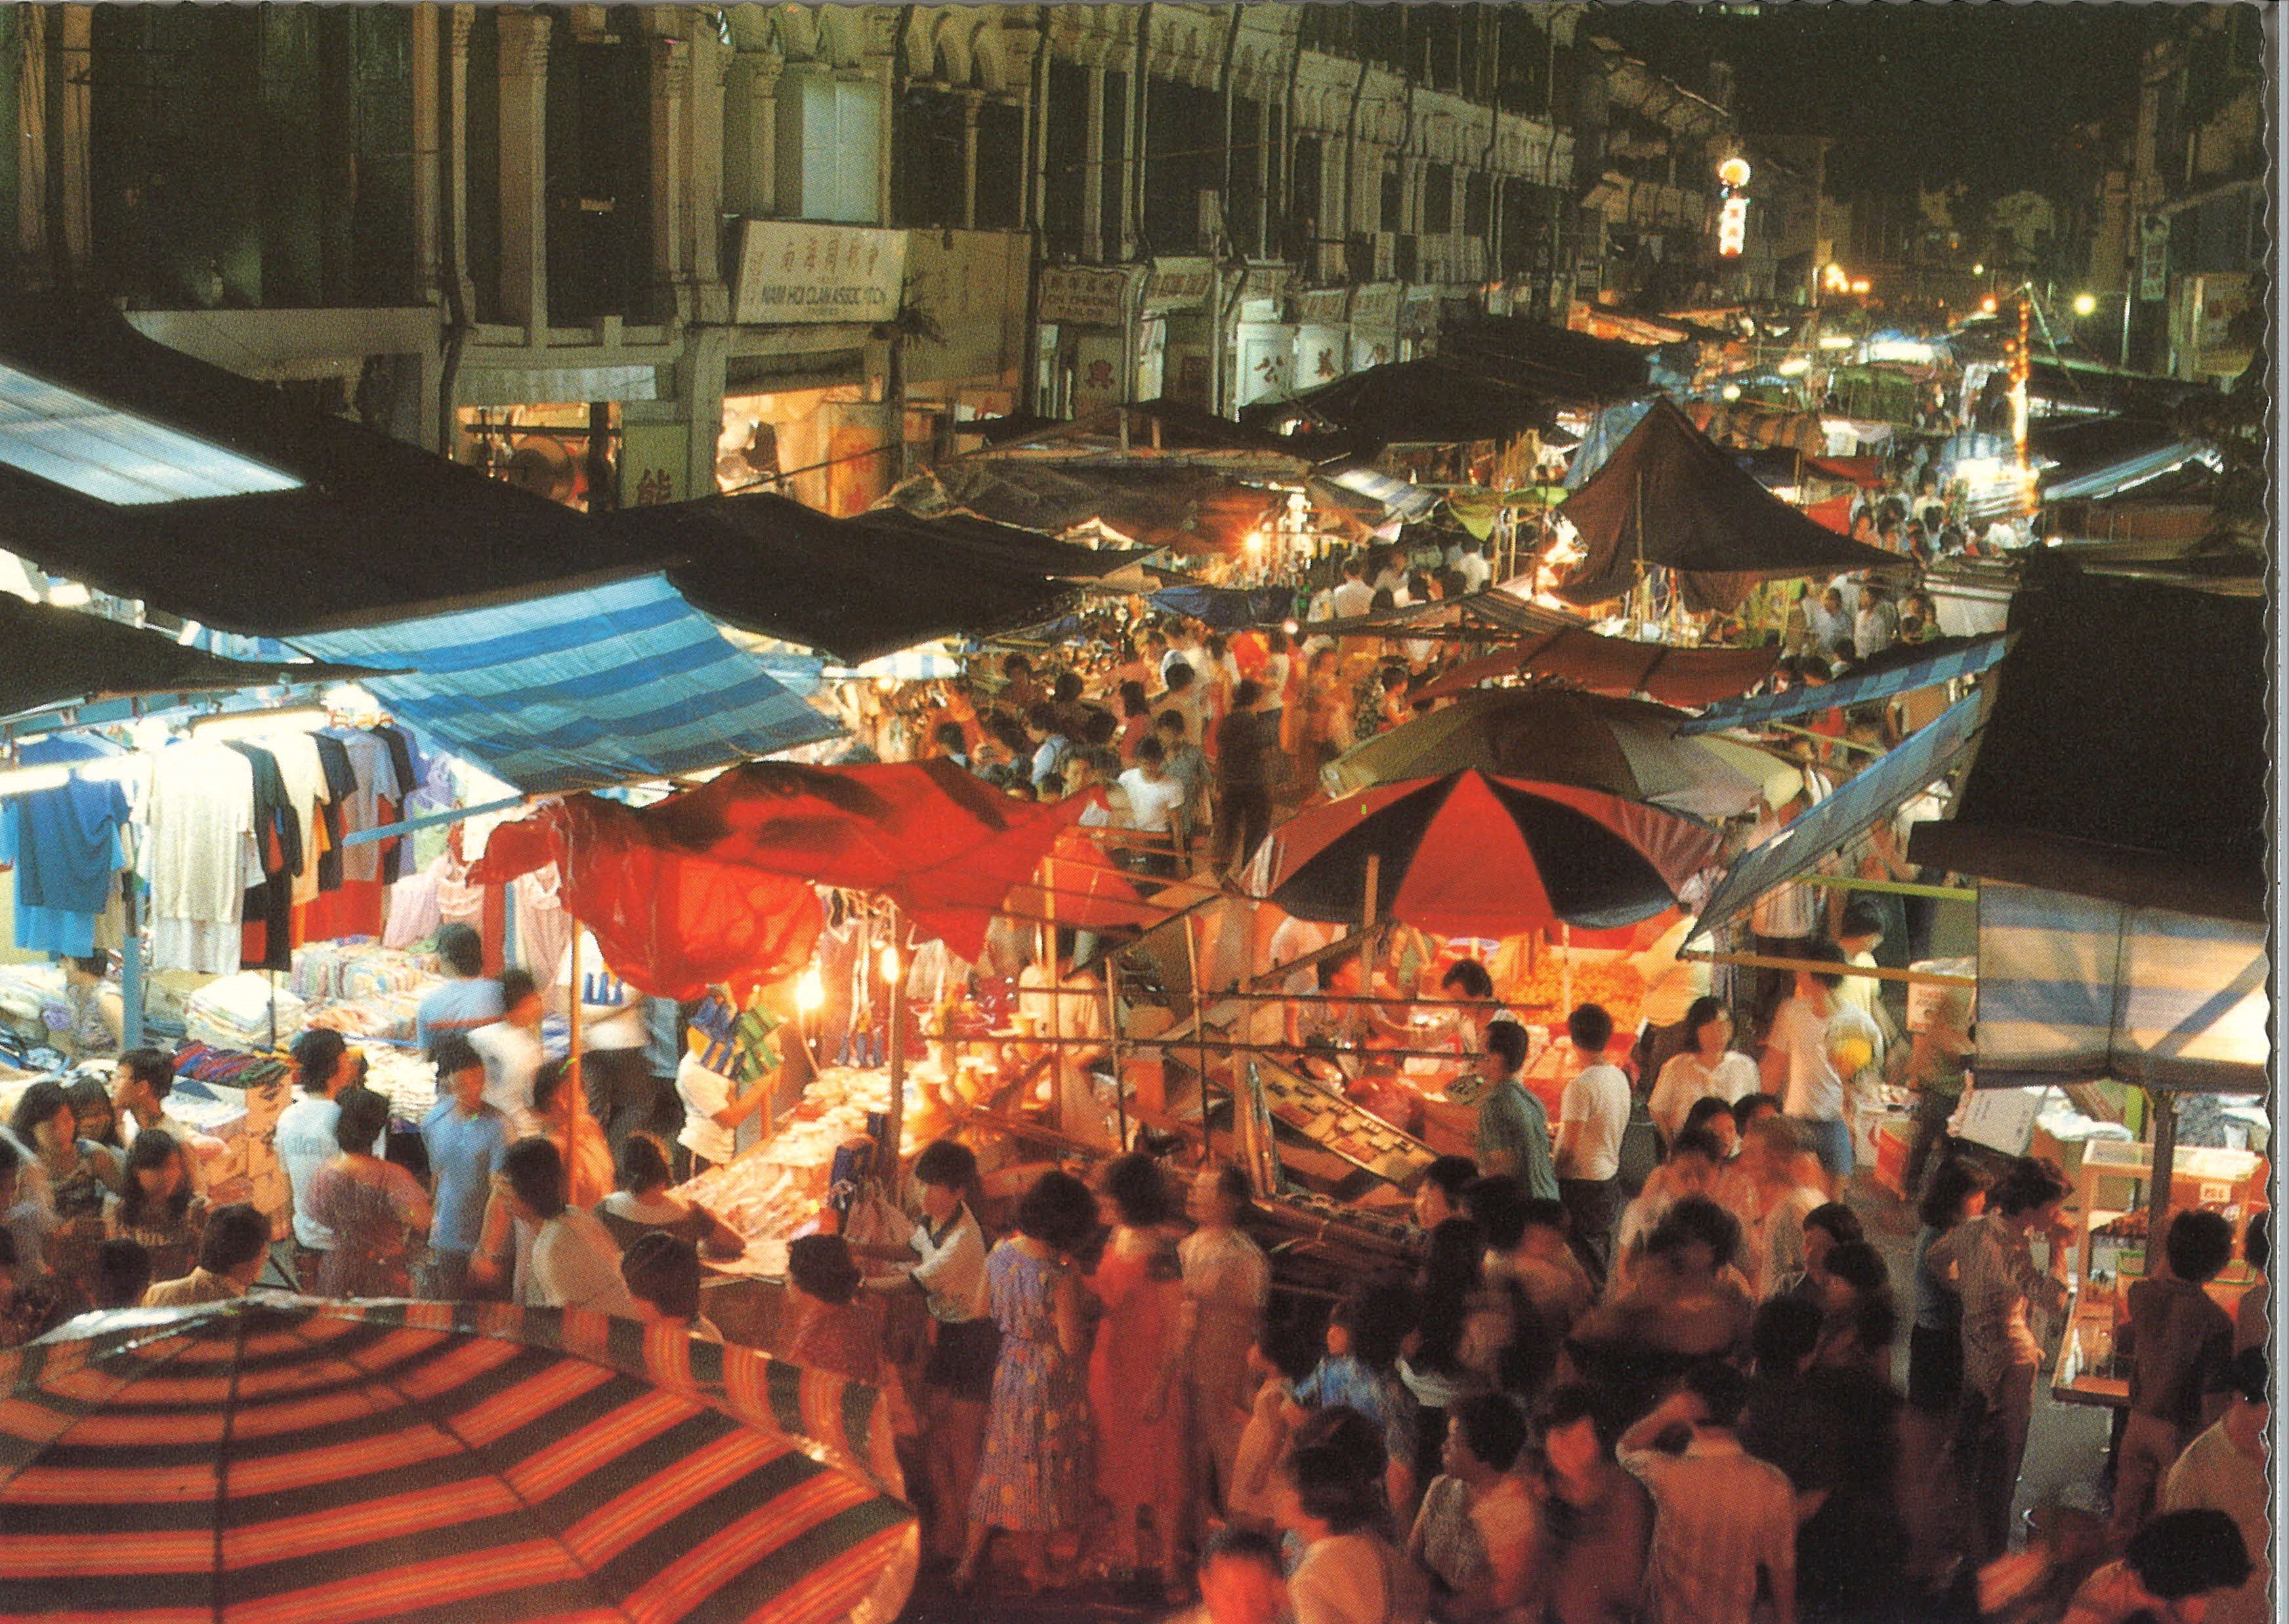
x=1322, y=354
x=1178, y=284
x=791, y=271
x=2220, y=300
x=972, y=283
x=1097, y=380
x=1267, y=355
x=1322, y=306
x=655, y=463
x=1083, y=295
x=2153, y=259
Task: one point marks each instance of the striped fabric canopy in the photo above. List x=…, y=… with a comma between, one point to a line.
x=581, y=689
x=1958, y=657
x=2073, y=989
x=291, y=1459
x=1876, y=791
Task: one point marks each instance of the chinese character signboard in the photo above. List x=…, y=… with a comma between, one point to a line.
x=794, y=271
x=1083, y=295
x=654, y=463
x=2153, y=259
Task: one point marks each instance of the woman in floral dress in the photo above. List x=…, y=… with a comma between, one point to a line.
x=1033, y=1479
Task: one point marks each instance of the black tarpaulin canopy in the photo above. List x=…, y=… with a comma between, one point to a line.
x=1553, y=361
x=63, y=656
x=861, y=587
x=1670, y=496
x=366, y=528
x=2126, y=758
x=1432, y=402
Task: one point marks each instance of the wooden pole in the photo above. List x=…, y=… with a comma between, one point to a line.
x=2162, y=1107
x=894, y=998
x=1113, y=1038
x=1199, y=1034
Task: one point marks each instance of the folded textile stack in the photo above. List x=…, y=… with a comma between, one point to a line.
x=239, y=1012
x=23, y=990
x=386, y=1016
x=359, y=969
x=406, y=1080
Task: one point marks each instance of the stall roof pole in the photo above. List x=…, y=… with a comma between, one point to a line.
x=2161, y=1105
x=895, y=999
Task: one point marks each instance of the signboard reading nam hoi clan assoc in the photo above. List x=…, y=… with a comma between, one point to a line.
x=793, y=272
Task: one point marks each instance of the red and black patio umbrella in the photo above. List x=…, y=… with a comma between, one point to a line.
x=293, y=1460
x=1475, y=856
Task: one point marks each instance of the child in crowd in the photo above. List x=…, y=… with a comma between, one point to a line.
x=1360, y=1370
x=1280, y=1359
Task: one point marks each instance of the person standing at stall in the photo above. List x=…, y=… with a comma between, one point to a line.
x=467, y=999
x=1593, y=1113
x=1990, y=1261
x=1033, y=1480
x=511, y=1049
x=304, y=1138
x=465, y=1139
x=1227, y=1287
x=713, y=1104
x=958, y=1379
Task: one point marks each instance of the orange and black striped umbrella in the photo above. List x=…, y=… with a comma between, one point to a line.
x=293, y=1460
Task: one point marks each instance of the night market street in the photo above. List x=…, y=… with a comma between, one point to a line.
x=1238, y=814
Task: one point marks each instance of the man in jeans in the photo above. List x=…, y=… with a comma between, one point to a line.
x=1818, y=1043
x=1593, y=1113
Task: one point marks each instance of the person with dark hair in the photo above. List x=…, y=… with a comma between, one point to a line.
x=122, y=1273
x=1707, y=1068
x=1479, y=1535
x=1439, y=1196
x=1364, y=1339
x=1227, y=1283
x=1136, y=1366
x=958, y=1378
x=2224, y=1470
x=1032, y=1478
x=1284, y=1352
x=140, y=1086
x=1724, y=1522
x=2178, y=1342
x=1859, y=1318
x=1932, y=1066
x=1935, y=1373
x=1714, y=1118
x=465, y=1139
x=56, y=1223
x=2252, y=1315
x=511, y=1049
x=368, y=1205
x=232, y=1253
x=1690, y=1168
x=1474, y=1007
x=572, y=1263
x=466, y=1000
x=661, y=1272
x=1510, y=1131
x=1990, y=1261
x=1682, y=1304
x=1598, y=1519
x=1750, y=1107
x=1594, y=1114
x=829, y=1326
x=98, y=1016
x=1241, y=1579
x=1765, y=1191
x=1819, y=1043
x=324, y=1065
x=93, y=1116
x=2168, y=1572
x=1246, y=747
x=157, y=1207
x=1529, y=1248
x=1348, y=1573
x=1826, y=1226
x=556, y=1115
x=642, y=1203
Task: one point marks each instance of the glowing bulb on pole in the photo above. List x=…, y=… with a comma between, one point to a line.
x=809, y=991
x=2085, y=304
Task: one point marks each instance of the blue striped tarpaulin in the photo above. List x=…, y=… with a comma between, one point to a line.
x=1757, y=709
x=581, y=689
x=2072, y=989
x=1876, y=790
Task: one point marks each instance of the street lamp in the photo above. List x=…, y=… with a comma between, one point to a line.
x=2085, y=304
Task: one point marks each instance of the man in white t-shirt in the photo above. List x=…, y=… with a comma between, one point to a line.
x=1156, y=804
x=511, y=1049
x=1592, y=1114
x=715, y=1105
x=1471, y=565
x=1354, y=595
x=304, y=1137
x=1818, y=1043
x=574, y=1263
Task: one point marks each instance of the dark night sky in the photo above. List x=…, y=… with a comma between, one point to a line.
x=1930, y=93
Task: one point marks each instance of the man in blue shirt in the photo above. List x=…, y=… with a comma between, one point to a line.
x=1513, y=1131
x=466, y=1140
x=467, y=999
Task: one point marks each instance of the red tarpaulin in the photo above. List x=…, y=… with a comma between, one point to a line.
x=1835, y=514
x=1682, y=677
x=678, y=892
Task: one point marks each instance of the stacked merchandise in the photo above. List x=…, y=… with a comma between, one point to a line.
x=403, y=1078
x=363, y=989
x=249, y=1091
x=25, y=991
x=244, y=1012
